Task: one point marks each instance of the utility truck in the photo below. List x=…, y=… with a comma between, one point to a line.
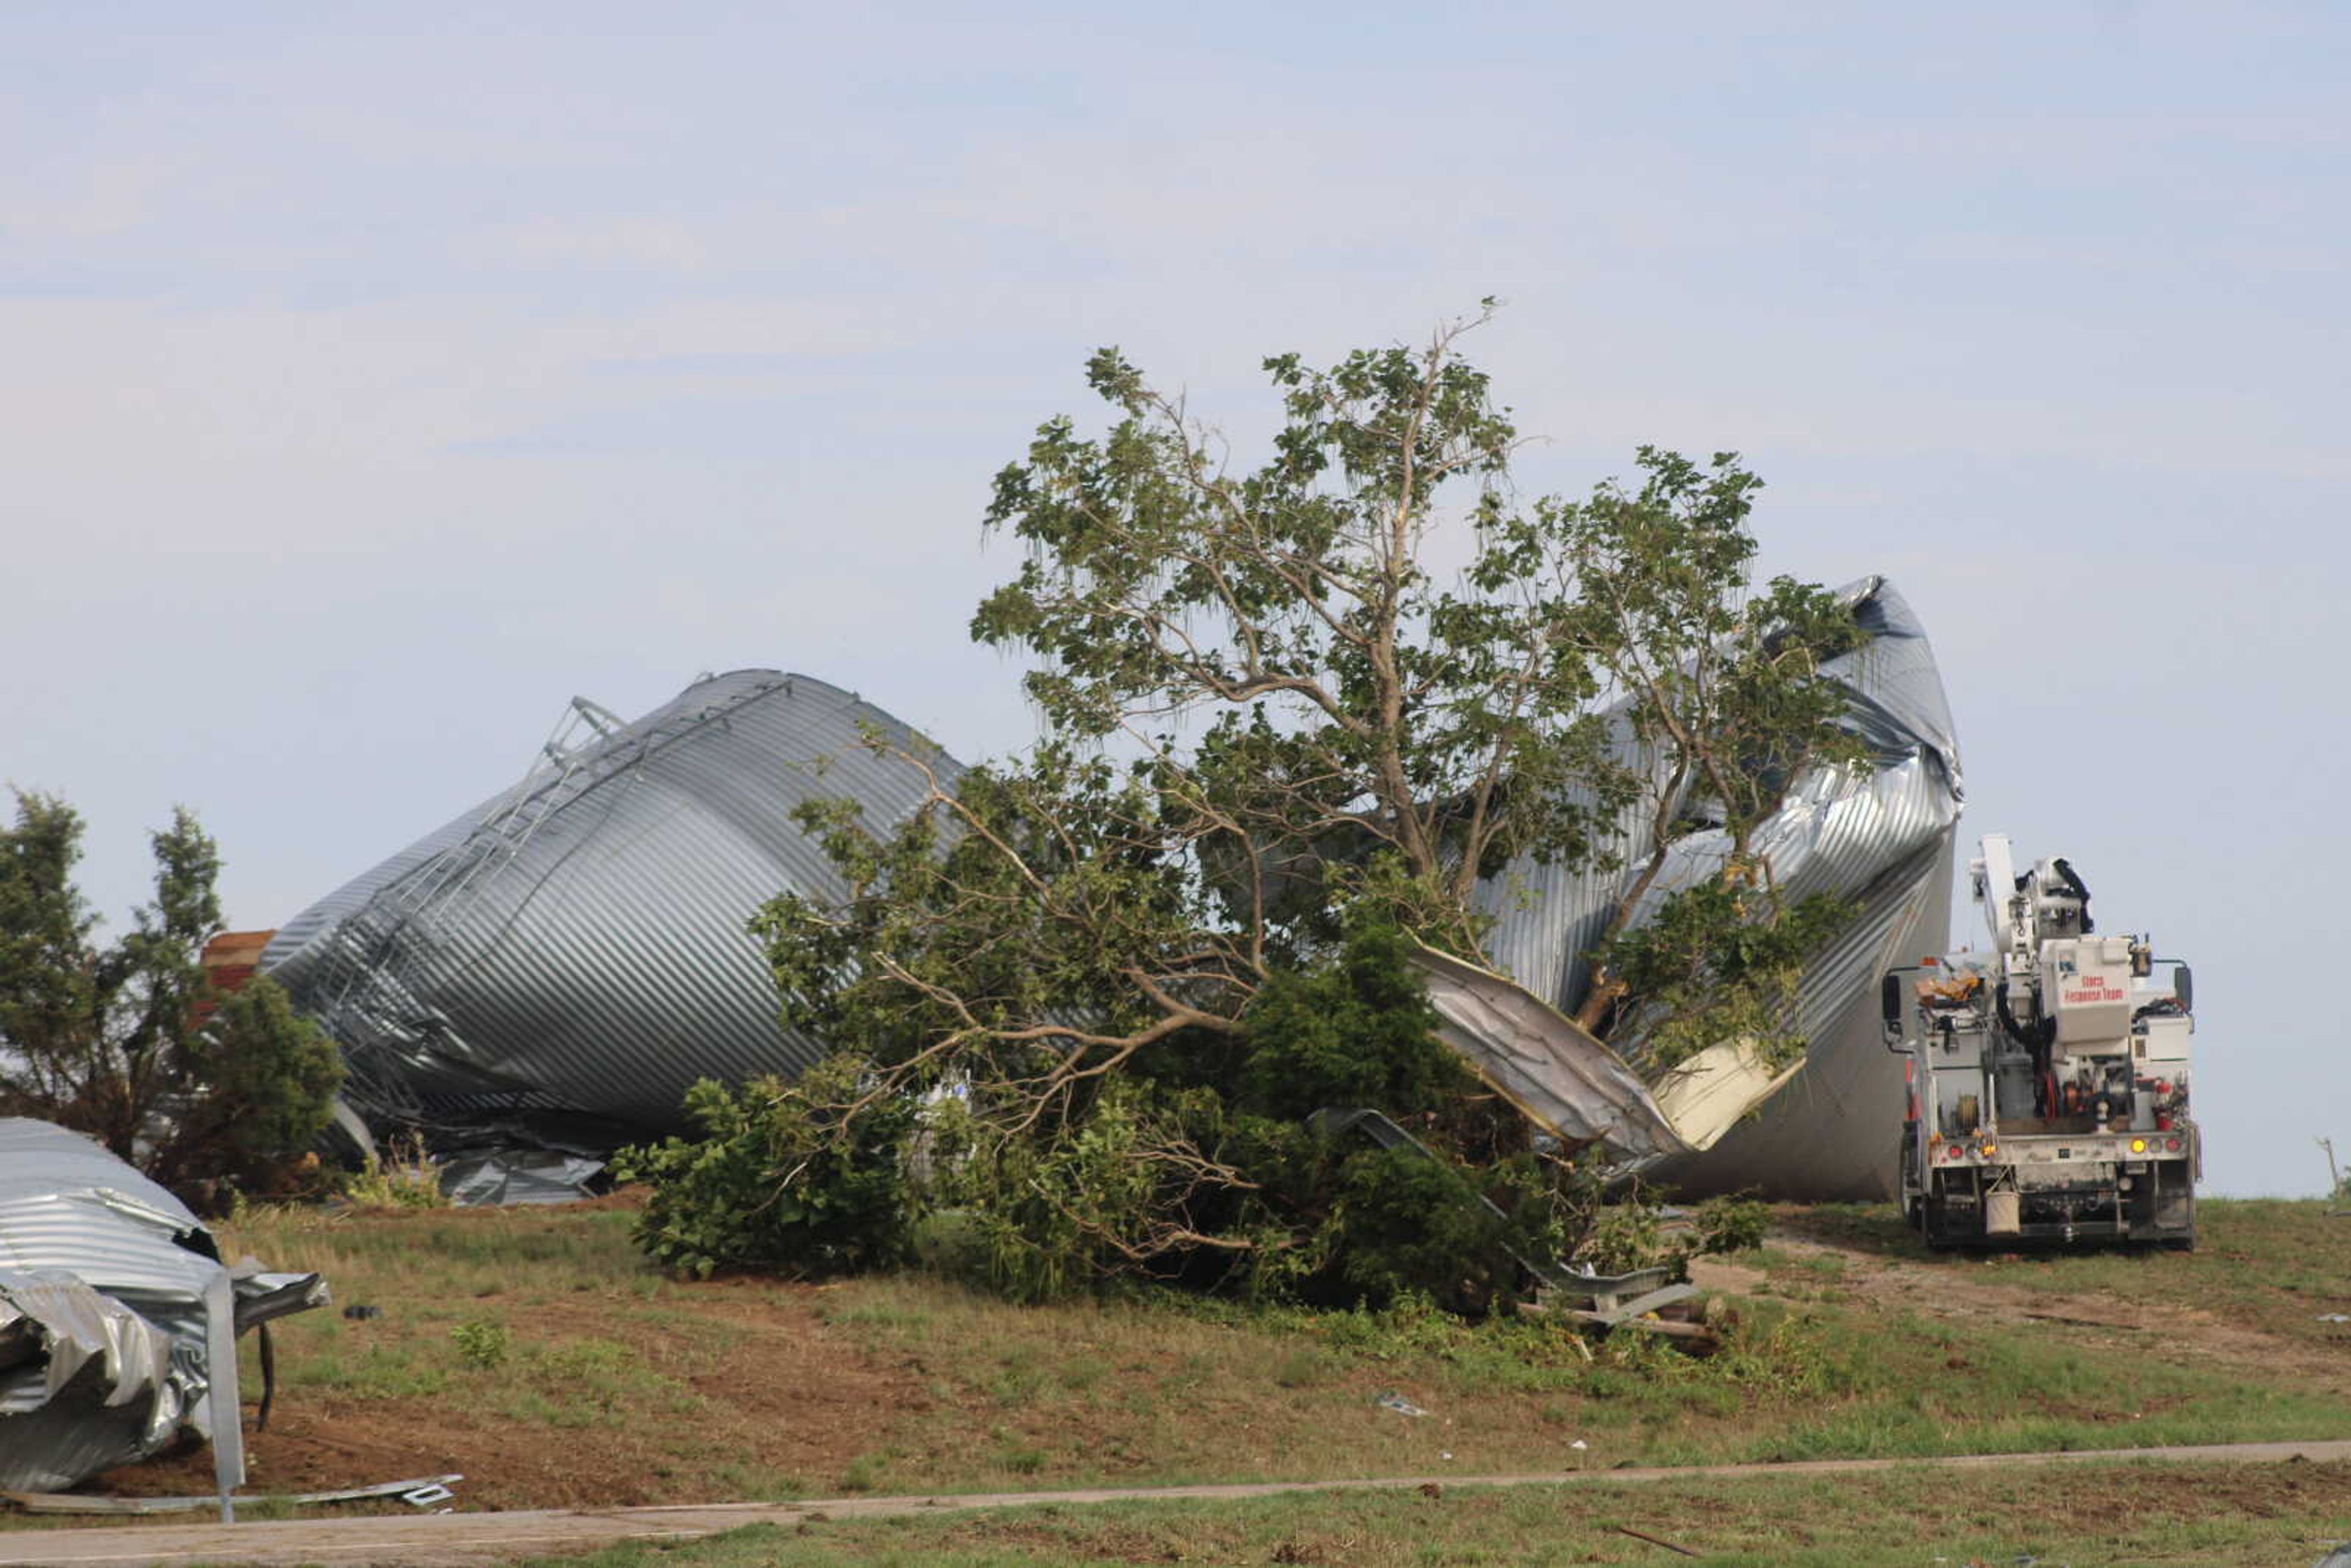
x=2048, y=1078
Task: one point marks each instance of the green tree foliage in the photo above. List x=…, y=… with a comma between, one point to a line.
x=114, y=1041
x=1721, y=690
x=1352, y=704
x=1123, y=968
x=1356, y=1030
x=782, y=1178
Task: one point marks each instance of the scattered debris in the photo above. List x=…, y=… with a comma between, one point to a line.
x=408, y=1490
x=1392, y=1400
x=360, y=1314
x=2071, y=1321
x=2335, y=1317
x=505, y=1178
x=1628, y=1529
x=1649, y=1300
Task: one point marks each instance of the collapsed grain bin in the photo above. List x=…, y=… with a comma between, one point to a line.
x=118, y=1319
x=559, y=964
x=1878, y=836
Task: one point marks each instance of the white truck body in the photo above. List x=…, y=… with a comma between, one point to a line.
x=2048, y=1077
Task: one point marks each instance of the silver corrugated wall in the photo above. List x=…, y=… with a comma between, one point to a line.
x=118, y=1319
x=1878, y=836
x=578, y=944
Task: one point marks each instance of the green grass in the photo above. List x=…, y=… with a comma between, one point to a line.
x=536, y=1351
x=463, y=1300
x=1199, y=1393
x=2277, y=1265
x=2074, y=1515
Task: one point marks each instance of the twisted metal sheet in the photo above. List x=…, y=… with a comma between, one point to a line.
x=118, y=1319
x=1879, y=836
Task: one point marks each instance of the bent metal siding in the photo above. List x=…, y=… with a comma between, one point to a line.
x=1879, y=836
x=117, y=1318
x=578, y=944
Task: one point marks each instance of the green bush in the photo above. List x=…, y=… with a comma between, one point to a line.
x=1194, y=1165
x=405, y=1178
x=1357, y=1032
x=1408, y=1226
x=482, y=1344
x=801, y=1178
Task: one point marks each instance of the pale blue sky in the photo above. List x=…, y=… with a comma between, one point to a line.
x=371, y=381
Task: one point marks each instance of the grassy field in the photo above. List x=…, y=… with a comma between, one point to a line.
x=2272, y=1265
x=535, y=1354
x=2081, y=1516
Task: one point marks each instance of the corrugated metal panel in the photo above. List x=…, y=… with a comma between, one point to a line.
x=1879, y=836
x=66, y=1203
x=577, y=943
x=1565, y=1080
x=122, y=1290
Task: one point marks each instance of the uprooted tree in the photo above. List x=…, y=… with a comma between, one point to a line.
x=1120, y=972
x=126, y=1041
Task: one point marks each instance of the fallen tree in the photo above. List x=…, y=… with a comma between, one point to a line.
x=1119, y=972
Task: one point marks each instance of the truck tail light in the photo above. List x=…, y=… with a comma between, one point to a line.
x=1988, y=1150
x=2172, y=1145
x=2138, y=1145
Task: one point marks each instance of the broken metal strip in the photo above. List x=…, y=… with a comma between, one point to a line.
x=1560, y=1076
x=77, y=1502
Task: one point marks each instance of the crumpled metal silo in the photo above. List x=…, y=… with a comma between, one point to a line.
x=117, y=1318
x=572, y=953
x=1880, y=837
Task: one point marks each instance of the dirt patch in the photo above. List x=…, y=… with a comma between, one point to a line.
x=779, y=1412
x=1731, y=1279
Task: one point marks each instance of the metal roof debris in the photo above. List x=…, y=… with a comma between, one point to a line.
x=118, y=1317
x=1878, y=836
